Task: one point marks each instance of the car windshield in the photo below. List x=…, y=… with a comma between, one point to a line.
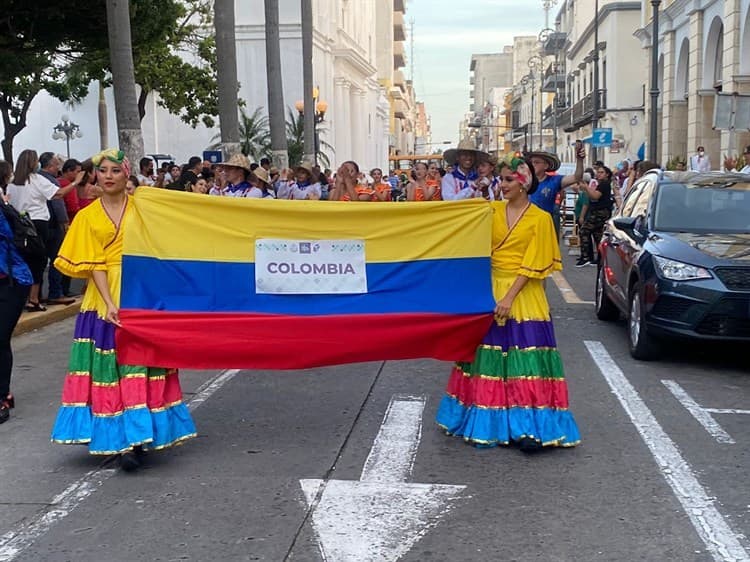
x=682, y=207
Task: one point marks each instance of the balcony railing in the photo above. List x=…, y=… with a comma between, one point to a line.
x=555, y=42
x=583, y=110
x=553, y=79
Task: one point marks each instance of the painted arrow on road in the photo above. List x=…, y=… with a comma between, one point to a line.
x=381, y=516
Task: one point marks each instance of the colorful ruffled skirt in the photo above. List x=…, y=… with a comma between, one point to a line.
x=515, y=388
x=115, y=407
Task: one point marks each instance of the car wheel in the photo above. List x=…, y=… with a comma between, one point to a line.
x=642, y=344
x=605, y=308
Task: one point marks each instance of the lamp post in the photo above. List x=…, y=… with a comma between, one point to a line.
x=525, y=81
x=654, y=82
x=67, y=130
x=320, y=112
x=595, y=100
x=536, y=62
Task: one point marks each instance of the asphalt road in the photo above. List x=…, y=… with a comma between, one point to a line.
x=649, y=482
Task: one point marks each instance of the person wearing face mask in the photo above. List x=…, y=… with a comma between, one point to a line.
x=700, y=162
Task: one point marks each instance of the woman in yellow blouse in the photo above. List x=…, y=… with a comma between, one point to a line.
x=113, y=408
x=514, y=392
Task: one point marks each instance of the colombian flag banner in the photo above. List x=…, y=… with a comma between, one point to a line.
x=214, y=282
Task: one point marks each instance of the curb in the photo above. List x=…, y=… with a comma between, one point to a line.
x=34, y=320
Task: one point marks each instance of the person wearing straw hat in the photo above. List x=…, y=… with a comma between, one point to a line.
x=261, y=185
x=461, y=183
x=236, y=171
x=550, y=184
x=302, y=186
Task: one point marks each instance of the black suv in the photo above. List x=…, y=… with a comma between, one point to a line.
x=676, y=259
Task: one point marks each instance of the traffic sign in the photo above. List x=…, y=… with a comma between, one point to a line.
x=602, y=137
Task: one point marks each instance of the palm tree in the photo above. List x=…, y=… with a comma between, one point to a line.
x=295, y=140
x=255, y=138
x=123, y=79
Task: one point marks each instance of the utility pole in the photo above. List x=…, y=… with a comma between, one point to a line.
x=226, y=71
x=653, y=125
x=275, y=87
x=307, y=81
x=595, y=100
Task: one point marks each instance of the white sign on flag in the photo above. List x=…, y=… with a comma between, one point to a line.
x=303, y=267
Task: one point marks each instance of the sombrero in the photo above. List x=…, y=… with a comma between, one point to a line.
x=451, y=155
x=238, y=161
x=552, y=160
x=261, y=173
x=307, y=166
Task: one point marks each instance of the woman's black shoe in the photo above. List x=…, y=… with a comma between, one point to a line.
x=529, y=445
x=4, y=412
x=129, y=461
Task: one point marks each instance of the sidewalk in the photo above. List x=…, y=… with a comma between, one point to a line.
x=34, y=320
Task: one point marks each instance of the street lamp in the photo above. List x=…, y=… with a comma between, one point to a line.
x=654, y=81
x=536, y=62
x=320, y=112
x=67, y=130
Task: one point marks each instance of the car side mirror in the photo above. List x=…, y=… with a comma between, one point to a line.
x=630, y=226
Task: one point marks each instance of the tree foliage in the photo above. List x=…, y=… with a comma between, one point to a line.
x=255, y=137
x=295, y=140
x=60, y=46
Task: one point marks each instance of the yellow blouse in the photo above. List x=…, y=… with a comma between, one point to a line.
x=530, y=248
x=94, y=243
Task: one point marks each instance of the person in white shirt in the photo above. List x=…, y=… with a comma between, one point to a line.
x=261, y=186
x=461, y=182
x=29, y=194
x=700, y=162
x=302, y=186
x=730, y=164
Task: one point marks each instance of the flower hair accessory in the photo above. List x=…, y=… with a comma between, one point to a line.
x=520, y=170
x=113, y=155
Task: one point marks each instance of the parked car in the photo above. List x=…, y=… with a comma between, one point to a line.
x=675, y=260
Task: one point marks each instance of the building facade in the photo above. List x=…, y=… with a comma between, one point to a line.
x=569, y=77
x=704, y=52
x=347, y=46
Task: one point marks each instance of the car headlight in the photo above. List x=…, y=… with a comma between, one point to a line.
x=678, y=271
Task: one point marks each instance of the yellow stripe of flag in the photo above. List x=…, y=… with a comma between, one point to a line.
x=188, y=226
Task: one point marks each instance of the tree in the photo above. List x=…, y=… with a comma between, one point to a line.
x=295, y=140
x=39, y=42
x=123, y=79
x=275, y=86
x=226, y=66
x=255, y=140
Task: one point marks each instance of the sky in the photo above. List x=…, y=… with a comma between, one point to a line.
x=446, y=34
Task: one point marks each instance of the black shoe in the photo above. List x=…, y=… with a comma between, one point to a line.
x=129, y=462
x=529, y=445
x=582, y=262
x=4, y=412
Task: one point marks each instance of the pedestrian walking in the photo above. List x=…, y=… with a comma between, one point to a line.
x=15, y=282
x=514, y=392
x=114, y=408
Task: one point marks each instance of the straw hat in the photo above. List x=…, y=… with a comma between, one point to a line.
x=307, y=166
x=238, y=161
x=466, y=145
x=262, y=174
x=552, y=160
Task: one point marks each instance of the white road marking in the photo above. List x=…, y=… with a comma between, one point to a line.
x=380, y=517
x=568, y=294
x=15, y=541
x=699, y=413
x=721, y=541
x=726, y=411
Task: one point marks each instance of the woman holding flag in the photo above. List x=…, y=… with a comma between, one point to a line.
x=114, y=408
x=514, y=392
